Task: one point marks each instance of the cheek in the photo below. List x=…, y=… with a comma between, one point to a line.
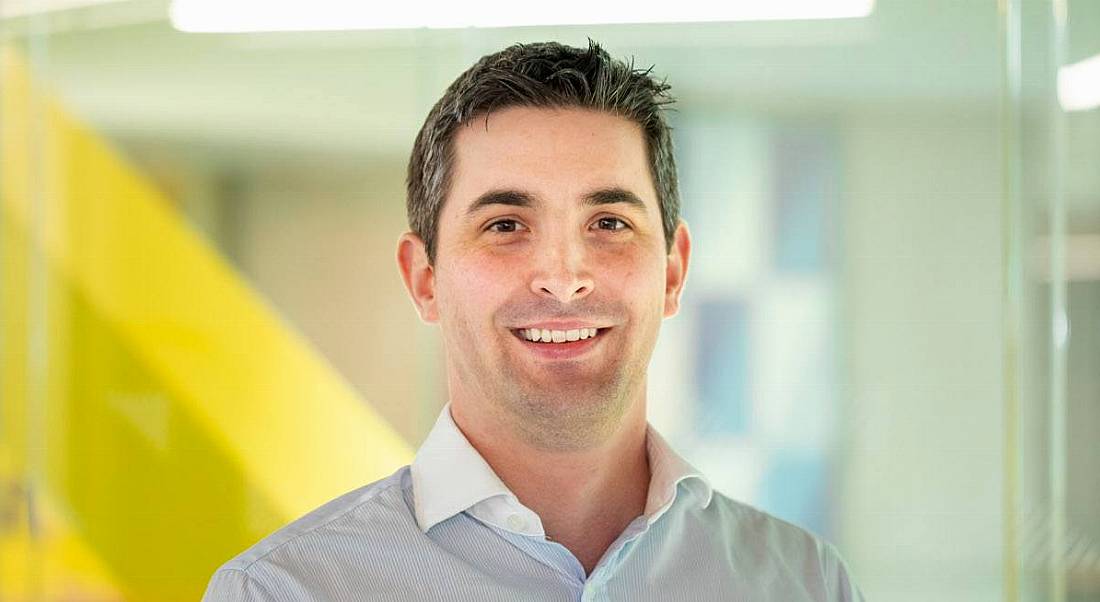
x=486, y=276
x=475, y=286
x=638, y=278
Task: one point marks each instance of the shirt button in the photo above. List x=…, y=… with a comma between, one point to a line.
x=516, y=522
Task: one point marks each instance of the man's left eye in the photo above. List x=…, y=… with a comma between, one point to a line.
x=611, y=223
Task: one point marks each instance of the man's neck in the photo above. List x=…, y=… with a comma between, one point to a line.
x=585, y=498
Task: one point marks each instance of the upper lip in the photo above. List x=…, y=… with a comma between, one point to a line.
x=560, y=325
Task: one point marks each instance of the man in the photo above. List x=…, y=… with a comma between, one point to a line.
x=546, y=243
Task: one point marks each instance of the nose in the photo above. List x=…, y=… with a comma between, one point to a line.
x=561, y=270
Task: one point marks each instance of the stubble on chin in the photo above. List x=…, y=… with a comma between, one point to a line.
x=569, y=408
x=567, y=417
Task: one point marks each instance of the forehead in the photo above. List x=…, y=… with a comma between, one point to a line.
x=553, y=153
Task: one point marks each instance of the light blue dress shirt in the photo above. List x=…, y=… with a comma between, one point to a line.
x=447, y=528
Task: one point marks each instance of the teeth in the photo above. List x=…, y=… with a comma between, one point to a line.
x=557, y=336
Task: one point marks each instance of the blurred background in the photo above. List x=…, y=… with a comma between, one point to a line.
x=890, y=336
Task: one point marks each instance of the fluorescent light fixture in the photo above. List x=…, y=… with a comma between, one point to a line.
x=1079, y=85
x=319, y=15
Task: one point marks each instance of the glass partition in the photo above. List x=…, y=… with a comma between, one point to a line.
x=889, y=333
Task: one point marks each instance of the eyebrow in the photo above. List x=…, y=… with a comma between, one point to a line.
x=520, y=198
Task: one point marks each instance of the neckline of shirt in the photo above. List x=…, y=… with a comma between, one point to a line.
x=449, y=476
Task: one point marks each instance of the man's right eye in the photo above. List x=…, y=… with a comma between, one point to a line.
x=504, y=226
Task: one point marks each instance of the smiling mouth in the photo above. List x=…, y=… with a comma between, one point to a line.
x=557, y=337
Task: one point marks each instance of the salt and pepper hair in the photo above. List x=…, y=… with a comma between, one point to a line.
x=543, y=75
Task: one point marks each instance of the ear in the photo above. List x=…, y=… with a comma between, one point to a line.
x=418, y=274
x=676, y=270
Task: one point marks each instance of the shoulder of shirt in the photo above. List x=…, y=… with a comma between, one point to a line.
x=377, y=496
x=764, y=542
x=745, y=523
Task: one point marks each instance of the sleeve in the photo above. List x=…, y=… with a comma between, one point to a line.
x=232, y=585
x=838, y=581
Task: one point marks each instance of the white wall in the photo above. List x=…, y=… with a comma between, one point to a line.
x=921, y=494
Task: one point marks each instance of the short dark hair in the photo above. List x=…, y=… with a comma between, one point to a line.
x=545, y=74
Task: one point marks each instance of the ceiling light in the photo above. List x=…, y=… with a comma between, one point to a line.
x=257, y=15
x=1079, y=85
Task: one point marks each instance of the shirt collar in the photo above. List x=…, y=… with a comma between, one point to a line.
x=667, y=470
x=449, y=476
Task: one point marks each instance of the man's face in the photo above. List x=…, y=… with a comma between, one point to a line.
x=551, y=229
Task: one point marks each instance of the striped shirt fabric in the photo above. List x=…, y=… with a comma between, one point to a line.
x=447, y=528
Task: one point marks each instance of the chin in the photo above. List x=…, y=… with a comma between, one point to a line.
x=570, y=417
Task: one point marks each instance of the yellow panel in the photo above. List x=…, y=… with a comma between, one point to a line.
x=182, y=419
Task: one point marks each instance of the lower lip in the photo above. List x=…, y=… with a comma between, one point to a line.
x=562, y=351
